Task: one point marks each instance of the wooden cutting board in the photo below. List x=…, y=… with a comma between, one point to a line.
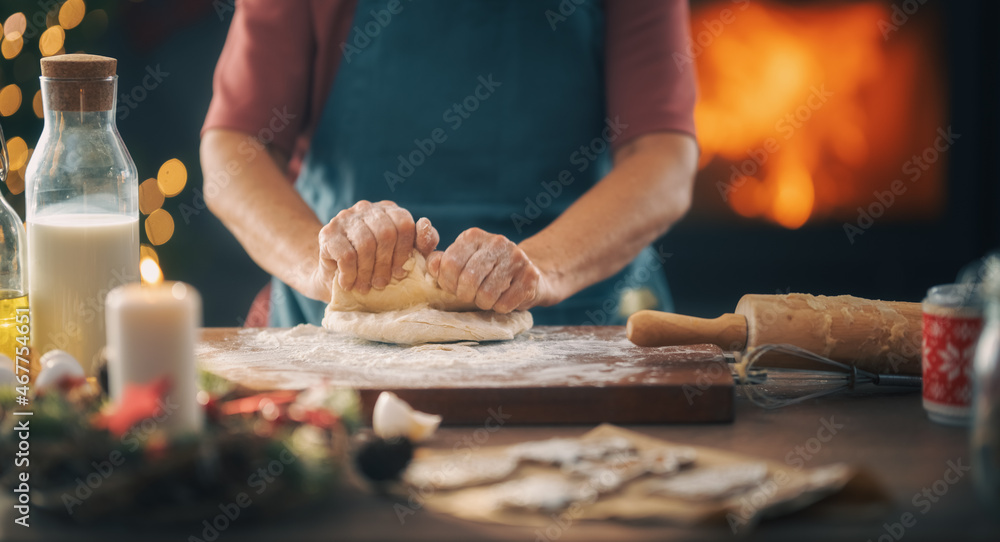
x=572, y=374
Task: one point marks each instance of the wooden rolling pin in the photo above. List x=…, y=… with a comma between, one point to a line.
x=877, y=336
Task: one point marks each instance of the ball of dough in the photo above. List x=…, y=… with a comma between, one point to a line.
x=414, y=310
x=418, y=325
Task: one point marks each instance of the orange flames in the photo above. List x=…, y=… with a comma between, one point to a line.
x=806, y=112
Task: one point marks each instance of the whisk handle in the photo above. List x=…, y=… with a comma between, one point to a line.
x=907, y=381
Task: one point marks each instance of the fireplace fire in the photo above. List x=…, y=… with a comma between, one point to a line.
x=819, y=111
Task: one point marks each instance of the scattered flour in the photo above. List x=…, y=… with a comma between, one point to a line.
x=307, y=355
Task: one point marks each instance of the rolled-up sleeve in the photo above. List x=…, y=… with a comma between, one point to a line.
x=262, y=80
x=650, y=77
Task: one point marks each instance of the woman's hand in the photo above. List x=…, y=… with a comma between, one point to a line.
x=369, y=243
x=491, y=271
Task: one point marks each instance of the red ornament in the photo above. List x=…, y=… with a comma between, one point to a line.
x=138, y=402
x=321, y=418
x=69, y=383
x=255, y=403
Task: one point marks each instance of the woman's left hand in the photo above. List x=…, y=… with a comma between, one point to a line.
x=491, y=271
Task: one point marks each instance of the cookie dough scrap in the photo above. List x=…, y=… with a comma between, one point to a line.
x=710, y=483
x=458, y=472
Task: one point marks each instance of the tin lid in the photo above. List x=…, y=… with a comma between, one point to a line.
x=991, y=277
x=955, y=296
x=984, y=272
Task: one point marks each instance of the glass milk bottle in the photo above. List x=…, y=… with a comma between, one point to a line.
x=13, y=285
x=82, y=208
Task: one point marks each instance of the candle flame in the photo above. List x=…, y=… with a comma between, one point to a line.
x=150, y=271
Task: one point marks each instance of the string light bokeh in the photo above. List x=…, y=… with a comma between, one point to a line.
x=43, y=29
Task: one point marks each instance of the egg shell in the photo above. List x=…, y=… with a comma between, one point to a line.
x=7, y=376
x=56, y=370
x=424, y=425
x=54, y=357
x=392, y=417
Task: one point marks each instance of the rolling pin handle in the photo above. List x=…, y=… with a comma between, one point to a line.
x=653, y=328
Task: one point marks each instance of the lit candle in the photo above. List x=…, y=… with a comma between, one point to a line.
x=151, y=333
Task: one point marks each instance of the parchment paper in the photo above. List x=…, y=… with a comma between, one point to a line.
x=786, y=489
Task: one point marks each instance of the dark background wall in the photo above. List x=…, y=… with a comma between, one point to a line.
x=181, y=39
x=712, y=264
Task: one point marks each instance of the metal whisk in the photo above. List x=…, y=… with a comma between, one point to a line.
x=775, y=387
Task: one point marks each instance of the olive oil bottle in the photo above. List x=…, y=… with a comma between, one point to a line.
x=12, y=305
x=13, y=285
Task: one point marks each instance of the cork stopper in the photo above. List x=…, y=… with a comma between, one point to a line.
x=78, y=67
x=79, y=82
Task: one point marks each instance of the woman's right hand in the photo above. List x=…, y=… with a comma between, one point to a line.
x=369, y=243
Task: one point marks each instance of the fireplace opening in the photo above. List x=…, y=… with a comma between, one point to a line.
x=810, y=111
x=847, y=147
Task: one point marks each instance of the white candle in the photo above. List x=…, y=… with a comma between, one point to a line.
x=151, y=333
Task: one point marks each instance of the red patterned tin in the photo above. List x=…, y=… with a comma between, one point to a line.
x=951, y=325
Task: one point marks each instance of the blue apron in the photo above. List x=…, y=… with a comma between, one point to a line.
x=485, y=114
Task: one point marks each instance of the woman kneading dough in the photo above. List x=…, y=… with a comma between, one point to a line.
x=548, y=150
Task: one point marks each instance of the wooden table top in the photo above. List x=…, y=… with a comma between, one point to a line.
x=889, y=435
x=550, y=375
